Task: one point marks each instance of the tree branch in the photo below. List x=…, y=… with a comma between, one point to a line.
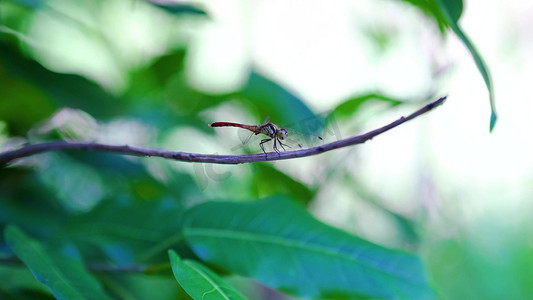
x=7, y=157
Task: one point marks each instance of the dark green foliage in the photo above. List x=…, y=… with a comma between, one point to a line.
x=66, y=277
x=269, y=180
x=59, y=90
x=315, y=260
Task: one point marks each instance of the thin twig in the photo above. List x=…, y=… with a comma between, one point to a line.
x=8, y=157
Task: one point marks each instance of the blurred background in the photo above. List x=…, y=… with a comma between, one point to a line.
x=148, y=74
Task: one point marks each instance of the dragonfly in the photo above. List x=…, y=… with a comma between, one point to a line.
x=271, y=130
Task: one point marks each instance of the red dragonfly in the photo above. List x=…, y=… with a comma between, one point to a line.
x=273, y=131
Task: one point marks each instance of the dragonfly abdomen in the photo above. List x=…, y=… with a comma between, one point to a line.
x=252, y=128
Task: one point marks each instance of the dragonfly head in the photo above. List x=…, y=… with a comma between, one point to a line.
x=282, y=134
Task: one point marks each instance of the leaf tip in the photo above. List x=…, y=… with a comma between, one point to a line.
x=493, y=119
x=172, y=254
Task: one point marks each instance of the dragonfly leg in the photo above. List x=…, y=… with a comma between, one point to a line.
x=281, y=144
x=261, y=144
x=275, y=147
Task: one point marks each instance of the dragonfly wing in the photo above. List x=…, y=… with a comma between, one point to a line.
x=267, y=120
x=247, y=140
x=298, y=139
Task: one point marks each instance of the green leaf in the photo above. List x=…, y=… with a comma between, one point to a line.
x=280, y=244
x=16, y=279
x=431, y=9
x=177, y=8
x=199, y=281
x=267, y=97
x=27, y=202
x=127, y=232
x=352, y=105
x=137, y=286
x=66, y=277
x=269, y=180
x=144, y=80
x=24, y=103
x=32, y=4
x=283, y=106
x=452, y=9
x=62, y=89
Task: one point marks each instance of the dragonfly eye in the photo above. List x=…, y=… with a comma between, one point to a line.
x=282, y=133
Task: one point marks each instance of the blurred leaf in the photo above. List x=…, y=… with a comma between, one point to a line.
x=256, y=239
x=23, y=104
x=452, y=9
x=447, y=13
x=32, y=4
x=282, y=105
x=26, y=295
x=127, y=232
x=160, y=96
x=27, y=202
x=177, y=8
x=431, y=9
x=483, y=69
x=269, y=181
x=63, y=89
x=485, y=260
x=406, y=227
x=79, y=189
x=349, y=107
x=136, y=286
x=20, y=280
x=382, y=37
x=117, y=174
x=168, y=65
x=188, y=101
x=199, y=281
x=150, y=80
x=269, y=98
x=66, y=277
x=132, y=178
